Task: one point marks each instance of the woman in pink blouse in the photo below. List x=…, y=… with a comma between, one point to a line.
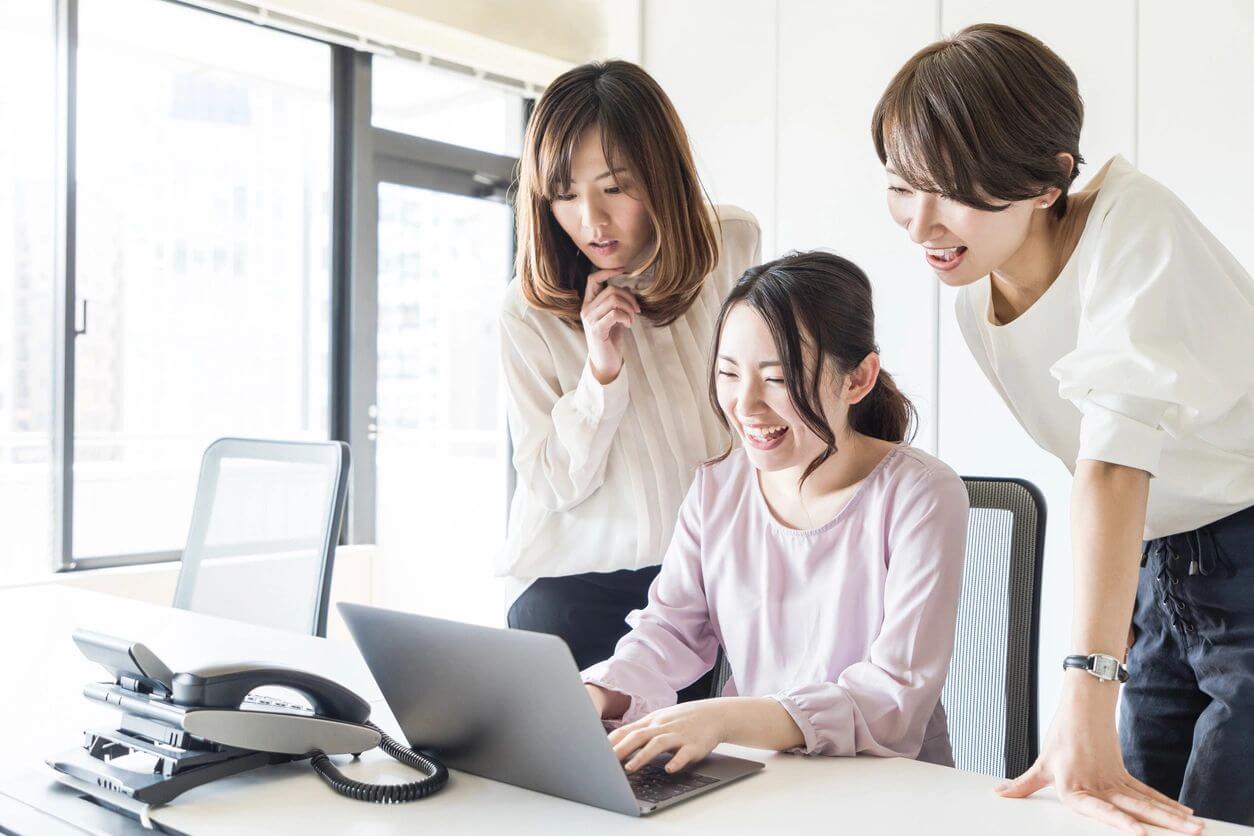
x=824, y=556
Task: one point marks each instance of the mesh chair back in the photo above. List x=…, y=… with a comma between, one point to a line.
x=255, y=499
x=990, y=695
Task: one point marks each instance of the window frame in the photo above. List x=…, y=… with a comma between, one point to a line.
x=362, y=156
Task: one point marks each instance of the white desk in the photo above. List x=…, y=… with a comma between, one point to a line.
x=42, y=711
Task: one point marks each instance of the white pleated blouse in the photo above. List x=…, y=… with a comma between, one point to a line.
x=603, y=470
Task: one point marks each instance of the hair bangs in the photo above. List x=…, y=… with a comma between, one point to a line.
x=933, y=148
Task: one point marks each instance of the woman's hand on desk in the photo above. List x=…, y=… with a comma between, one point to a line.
x=691, y=730
x=1081, y=758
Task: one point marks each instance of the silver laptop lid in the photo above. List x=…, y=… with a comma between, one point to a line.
x=504, y=704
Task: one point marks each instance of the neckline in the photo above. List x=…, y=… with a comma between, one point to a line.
x=1098, y=181
x=765, y=507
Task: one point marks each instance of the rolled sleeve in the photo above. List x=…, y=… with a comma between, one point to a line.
x=1123, y=431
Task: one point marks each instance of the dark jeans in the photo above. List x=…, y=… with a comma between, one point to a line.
x=588, y=612
x=1187, y=717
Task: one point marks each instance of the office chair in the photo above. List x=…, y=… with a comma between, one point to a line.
x=990, y=694
x=265, y=498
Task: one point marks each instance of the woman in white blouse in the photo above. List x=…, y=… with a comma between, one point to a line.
x=1120, y=333
x=606, y=328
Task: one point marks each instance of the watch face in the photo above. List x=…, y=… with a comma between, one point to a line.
x=1106, y=667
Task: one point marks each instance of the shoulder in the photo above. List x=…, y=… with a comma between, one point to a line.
x=512, y=302
x=1137, y=208
x=736, y=226
x=915, y=476
x=725, y=481
x=516, y=311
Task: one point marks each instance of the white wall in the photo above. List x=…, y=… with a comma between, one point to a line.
x=777, y=96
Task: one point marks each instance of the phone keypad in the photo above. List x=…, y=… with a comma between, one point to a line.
x=261, y=702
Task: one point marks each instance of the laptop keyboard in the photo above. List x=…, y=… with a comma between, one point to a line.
x=653, y=784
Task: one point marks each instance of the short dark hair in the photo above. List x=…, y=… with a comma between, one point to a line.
x=823, y=300
x=981, y=117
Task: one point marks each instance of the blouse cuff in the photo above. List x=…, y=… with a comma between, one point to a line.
x=1109, y=434
x=802, y=718
x=635, y=709
x=594, y=400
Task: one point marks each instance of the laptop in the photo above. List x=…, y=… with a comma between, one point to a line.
x=509, y=705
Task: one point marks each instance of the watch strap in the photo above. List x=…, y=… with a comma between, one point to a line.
x=1105, y=668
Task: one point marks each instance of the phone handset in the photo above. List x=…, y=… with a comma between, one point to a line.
x=339, y=712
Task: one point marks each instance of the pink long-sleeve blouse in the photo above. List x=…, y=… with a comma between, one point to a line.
x=849, y=626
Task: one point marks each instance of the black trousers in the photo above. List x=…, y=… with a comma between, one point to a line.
x=589, y=613
x=1186, y=722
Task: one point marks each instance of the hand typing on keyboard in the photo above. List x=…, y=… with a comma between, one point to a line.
x=690, y=731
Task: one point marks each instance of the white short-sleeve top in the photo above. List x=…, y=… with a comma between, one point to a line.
x=1141, y=353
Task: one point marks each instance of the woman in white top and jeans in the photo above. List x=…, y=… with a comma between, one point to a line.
x=1120, y=333
x=606, y=331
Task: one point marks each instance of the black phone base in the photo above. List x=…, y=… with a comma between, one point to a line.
x=171, y=775
x=190, y=728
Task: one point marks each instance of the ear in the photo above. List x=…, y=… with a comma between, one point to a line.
x=860, y=381
x=1066, y=164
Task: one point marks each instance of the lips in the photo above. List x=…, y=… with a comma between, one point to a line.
x=945, y=258
x=764, y=436
x=603, y=247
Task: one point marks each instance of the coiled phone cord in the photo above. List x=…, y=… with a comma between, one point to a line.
x=436, y=774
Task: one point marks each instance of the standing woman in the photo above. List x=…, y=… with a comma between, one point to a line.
x=1120, y=333
x=622, y=268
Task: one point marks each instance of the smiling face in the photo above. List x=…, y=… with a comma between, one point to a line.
x=960, y=243
x=601, y=210
x=754, y=396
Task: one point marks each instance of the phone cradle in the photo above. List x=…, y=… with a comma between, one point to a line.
x=191, y=728
x=179, y=762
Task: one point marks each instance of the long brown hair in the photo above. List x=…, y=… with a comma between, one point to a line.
x=820, y=301
x=982, y=115
x=641, y=132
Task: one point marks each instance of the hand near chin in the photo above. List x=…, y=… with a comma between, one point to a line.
x=608, y=312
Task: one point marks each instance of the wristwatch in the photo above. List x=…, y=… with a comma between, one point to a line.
x=1105, y=668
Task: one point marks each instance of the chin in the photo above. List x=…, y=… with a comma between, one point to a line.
x=959, y=278
x=768, y=461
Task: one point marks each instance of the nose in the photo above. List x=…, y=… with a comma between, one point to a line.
x=593, y=215
x=924, y=222
x=749, y=395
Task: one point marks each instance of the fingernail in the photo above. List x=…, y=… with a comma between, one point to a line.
x=1002, y=786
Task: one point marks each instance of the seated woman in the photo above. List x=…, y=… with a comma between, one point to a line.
x=824, y=556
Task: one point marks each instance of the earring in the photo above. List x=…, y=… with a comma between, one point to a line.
x=1044, y=204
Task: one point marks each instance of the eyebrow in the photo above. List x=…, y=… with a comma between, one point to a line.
x=605, y=174
x=761, y=365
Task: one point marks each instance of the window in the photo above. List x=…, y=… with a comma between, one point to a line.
x=206, y=194
x=204, y=179
x=27, y=262
x=442, y=463
x=445, y=105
